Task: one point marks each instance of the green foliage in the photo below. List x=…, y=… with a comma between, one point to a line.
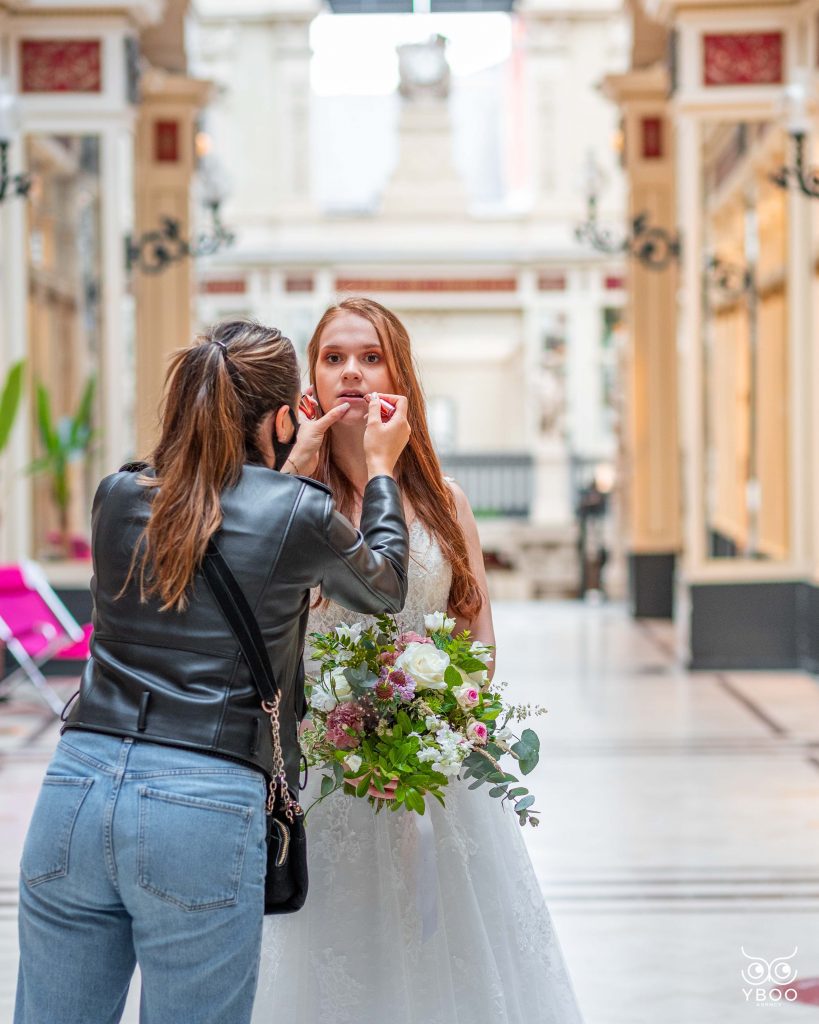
x=400, y=738
x=64, y=441
x=10, y=401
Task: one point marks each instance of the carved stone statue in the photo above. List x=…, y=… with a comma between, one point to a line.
x=424, y=69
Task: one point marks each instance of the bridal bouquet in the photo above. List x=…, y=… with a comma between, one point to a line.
x=400, y=715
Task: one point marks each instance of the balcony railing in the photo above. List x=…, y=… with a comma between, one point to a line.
x=496, y=483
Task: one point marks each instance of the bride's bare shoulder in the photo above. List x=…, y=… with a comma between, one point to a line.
x=462, y=506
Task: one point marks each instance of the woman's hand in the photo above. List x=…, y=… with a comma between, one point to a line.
x=303, y=460
x=384, y=441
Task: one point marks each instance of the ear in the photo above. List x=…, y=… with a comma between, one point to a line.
x=282, y=425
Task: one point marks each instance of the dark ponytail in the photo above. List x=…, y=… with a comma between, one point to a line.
x=217, y=392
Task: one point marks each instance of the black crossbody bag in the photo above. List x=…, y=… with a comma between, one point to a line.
x=286, y=880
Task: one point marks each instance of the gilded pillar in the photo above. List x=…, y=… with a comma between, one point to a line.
x=650, y=442
x=164, y=167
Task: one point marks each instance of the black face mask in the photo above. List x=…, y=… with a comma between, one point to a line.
x=282, y=449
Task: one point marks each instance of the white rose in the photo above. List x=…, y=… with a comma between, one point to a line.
x=353, y=762
x=426, y=664
x=342, y=688
x=322, y=700
x=345, y=632
x=437, y=621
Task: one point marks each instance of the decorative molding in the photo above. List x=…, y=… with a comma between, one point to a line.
x=166, y=142
x=378, y=284
x=226, y=286
x=299, y=283
x=551, y=282
x=742, y=58
x=651, y=138
x=60, y=65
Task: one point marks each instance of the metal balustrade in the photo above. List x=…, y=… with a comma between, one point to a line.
x=496, y=483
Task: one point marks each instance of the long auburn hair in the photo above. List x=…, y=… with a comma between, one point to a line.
x=419, y=472
x=216, y=393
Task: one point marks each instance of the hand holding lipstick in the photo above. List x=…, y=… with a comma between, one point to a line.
x=386, y=434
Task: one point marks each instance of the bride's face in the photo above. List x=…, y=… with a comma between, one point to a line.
x=350, y=364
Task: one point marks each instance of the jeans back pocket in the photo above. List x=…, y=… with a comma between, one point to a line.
x=48, y=840
x=191, y=850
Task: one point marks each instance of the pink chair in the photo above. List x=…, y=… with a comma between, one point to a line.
x=36, y=626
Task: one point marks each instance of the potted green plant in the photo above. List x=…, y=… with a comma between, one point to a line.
x=10, y=401
x=64, y=441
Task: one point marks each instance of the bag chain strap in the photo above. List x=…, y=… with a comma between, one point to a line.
x=278, y=781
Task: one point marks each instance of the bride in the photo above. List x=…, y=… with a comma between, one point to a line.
x=410, y=920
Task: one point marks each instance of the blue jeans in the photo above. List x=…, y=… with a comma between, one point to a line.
x=141, y=853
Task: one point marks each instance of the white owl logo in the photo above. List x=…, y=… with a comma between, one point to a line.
x=760, y=971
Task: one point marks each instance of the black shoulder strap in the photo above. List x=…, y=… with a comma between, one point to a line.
x=231, y=599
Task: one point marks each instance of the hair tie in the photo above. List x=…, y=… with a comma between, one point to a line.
x=222, y=346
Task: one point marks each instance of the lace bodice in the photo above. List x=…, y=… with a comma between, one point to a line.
x=430, y=577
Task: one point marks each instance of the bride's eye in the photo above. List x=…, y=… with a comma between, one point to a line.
x=332, y=357
x=373, y=357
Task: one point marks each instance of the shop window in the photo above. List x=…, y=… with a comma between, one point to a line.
x=745, y=391
x=64, y=318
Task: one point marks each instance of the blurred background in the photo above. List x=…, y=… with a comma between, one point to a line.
x=589, y=216
x=598, y=221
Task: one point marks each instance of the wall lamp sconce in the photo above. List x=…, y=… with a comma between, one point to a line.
x=10, y=184
x=730, y=280
x=795, y=104
x=654, y=247
x=155, y=251
x=807, y=179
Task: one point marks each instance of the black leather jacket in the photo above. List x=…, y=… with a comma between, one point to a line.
x=178, y=678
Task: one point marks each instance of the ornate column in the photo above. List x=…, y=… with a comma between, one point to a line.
x=650, y=429
x=164, y=166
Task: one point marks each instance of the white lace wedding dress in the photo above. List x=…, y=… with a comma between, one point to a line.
x=411, y=920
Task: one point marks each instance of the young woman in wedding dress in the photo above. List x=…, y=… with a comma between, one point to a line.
x=410, y=920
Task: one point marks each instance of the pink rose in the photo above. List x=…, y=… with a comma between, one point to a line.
x=468, y=696
x=405, y=639
x=477, y=732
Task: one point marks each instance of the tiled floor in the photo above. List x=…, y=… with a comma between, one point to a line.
x=681, y=817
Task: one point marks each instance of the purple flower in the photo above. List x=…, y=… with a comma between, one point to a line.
x=404, y=684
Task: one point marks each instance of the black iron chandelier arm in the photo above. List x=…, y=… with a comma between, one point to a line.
x=155, y=250
x=655, y=247
x=12, y=184
x=806, y=178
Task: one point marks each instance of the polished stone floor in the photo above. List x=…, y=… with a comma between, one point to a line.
x=680, y=834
